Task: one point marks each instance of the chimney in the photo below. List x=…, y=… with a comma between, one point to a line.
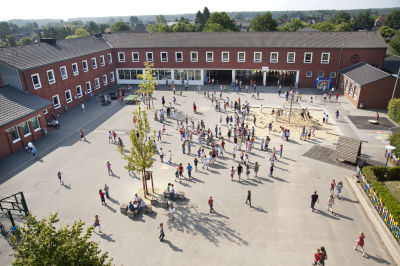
x=51, y=41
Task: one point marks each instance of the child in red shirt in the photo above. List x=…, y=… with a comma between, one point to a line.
x=103, y=200
x=210, y=203
x=317, y=256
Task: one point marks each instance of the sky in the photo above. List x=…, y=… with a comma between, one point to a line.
x=45, y=9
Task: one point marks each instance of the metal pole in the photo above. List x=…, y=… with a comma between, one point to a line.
x=290, y=113
x=24, y=205
x=11, y=218
x=395, y=84
x=387, y=159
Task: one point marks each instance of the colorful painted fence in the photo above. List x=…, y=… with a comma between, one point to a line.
x=393, y=158
x=380, y=208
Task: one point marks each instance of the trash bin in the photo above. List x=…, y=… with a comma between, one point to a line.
x=16, y=232
x=66, y=108
x=45, y=131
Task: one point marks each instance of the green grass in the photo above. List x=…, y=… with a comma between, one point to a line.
x=394, y=188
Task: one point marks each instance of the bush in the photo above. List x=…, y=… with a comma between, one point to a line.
x=388, y=200
x=380, y=173
x=394, y=140
x=394, y=109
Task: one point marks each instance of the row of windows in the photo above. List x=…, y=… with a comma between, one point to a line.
x=241, y=57
x=68, y=95
x=25, y=129
x=321, y=74
x=350, y=88
x=161, y=74
x=37, y=84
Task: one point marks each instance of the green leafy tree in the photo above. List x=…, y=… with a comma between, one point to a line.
x=158, y=27
x=81, y=32
x=395, y=44
x=263, y=22
x=295, y=24
x=238, y=15
x=24, y=41
x=1, y=43
x=35, y=25
x=295, y=14
x=119, y=26
x=363, y=21
x=386, y=32
x=206, y=14
x=11, y=40
x=76, y=23
x=161, y=19
x=221, y=18
x=340, y=17
x=283, y=16
x=324, y=26
x=43, y=244
x=199, y=19
x=148, y=84
x=393, y=20
x=111, y=21
x=180, y=27
x=343, y=27
x=133, y=20
x=4, y=30
x=198, y=28
x=213, y=27
x=103, y=27
x=92, y=27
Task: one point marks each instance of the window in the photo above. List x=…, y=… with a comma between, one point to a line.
x=274, y=57
x=102, y=60
x=109, y=58
x=241, y=56
x=308, y=74
x=35, y=123
x=97, y=83
x=307, y=57
x=325, y=58
x=75, y=69
x=149, y=56
x=257, y=57
x=14, y=134
x=351, y=89
x=225, y=56
x=64, y=74
x=25, y=128
x=209, y=56
x=50, y=76
x=164, y=57
x=347, y=86
x=355, y=92
x=112, y=76
x=88, y=87
x=105, y=80
x=320, y=74
x=213, y=72
x=193, y=57
x=56, y=102
x=332, y=75
x=85, y=66
x=178, y=57
x=291, y=57
x=68, y=96
x=135, y=57
x=79, y=91
x=341, y=82
x=121, y=57
x=94, y=63
x=36, y=81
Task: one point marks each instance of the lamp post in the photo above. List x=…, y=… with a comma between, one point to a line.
x=389, y=149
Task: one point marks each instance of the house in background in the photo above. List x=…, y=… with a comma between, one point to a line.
x=379, y=22
x=312, y=20
x=282, y=21
x=243, y=24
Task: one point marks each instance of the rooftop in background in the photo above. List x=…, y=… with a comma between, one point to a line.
x=392, y=64
x=364, y=73
x=307, y=29
x=298, y=39
x=16, y=104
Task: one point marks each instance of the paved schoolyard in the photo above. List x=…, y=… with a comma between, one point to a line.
x=279, y=229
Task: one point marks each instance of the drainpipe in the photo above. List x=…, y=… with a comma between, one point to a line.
x=340, y=60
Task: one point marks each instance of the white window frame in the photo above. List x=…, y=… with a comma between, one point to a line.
x=59, y=103
x=320, y=76
x=355, y=92
x=147, y=57
x=191, y=57
x=305, y=60
x=75, y=73
x=176, y=56
x=105, y=82
x=95, y=63
x=27, y=124
x=351, y=90
x=273, y=60
x=330, y=75
x=133, y=58
x=294, y=57
x=222, y=57
x=70, y=100
x=161, y=56
x=341, y=81
x=90, y=86
x=112, y=77
x=257, y=60
x=109, y=56
x=97, y=84
x=308, y=76
x=122, y=59
x=325, y=61
x=102, y=62
x=87, y=66
x=35, y=129
x=16, y=130
x=79, y=95
x=212, y=56
x=66, y=73
x=54, y=78
x=37, y=86
x=347, y=86
x=244, y=57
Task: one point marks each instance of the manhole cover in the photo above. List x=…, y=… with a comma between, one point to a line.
x=40, y=185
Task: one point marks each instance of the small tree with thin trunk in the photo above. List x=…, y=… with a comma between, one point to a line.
x=142, y=149
x=149, y=81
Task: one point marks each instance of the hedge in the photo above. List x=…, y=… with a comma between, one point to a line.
x=388, y=200
x=394, y=109
x=394, y=140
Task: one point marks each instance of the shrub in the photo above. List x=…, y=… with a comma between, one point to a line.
x=377, y=173
x=388, y=200
x=394, y=140
x=394, y=109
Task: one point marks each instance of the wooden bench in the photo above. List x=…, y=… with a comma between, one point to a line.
x=163, y=203
x=180, y=195
x=131, y=214
x=148, y=208
x=153, y=200
x=123, y=208
x=166, y=194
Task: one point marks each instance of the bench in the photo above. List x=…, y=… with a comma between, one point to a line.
x=180, y=195
x=131, y=214
x=148, y=208
x=163, y=203
x=124, y=208
x=166, y=194
x=153, y=200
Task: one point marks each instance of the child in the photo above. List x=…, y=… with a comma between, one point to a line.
x=317, y=257
x=170, y=156
x=195, y=164
x=177, y=175
x=339, y=188
x=333, y=185
x=232, y=171
x=271, y=170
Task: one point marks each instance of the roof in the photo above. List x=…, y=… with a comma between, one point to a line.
x=30, y=56
x=391, y=64
x=243, y=22
x=16, y=104
x=364, y=73
x=308, y=29
x=297, y=39
x=380, y=19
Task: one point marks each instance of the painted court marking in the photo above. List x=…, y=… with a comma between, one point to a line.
x=380, y=135
x=164, y=166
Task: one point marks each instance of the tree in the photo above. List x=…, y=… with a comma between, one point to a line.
x=161, y=19
x=343, y=27
x=11, y=40
x=76, y=23
x=238, y=15
x=393, y=20
x=386, y=32
x=213, y=27
x=92, y=27
x=206, y=14
x=1, y=43
x=222, y=19
x=363, y=21
x=324, y=26
x=103, y=27
x=43, y=244
x=119, y=26
x=263, y=22
x=120, y=20
x=81, y=32
x=296, y=14
x=4, y=30
x=35, y=25
x=111, y=21
x=140, y=157
x=180, y=27
x=158, y=27
x=283, y=16
x=395, y=44
x=133, y=20
x=199, y=19
x=295, y=24
x=340, y=18
x=24, y=41
x=148, y=84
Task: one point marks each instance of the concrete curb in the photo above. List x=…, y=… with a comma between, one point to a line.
x=379, y=225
